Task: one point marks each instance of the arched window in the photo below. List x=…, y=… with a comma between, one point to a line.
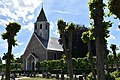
x=55, y=56
x=40, y=26
x=33, y=49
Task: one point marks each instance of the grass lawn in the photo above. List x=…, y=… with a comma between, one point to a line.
x=36, y=79
x=47, y=79
x=117, y=78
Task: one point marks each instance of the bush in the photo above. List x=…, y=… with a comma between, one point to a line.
x=116, y=73
x=90, y=76
x=109, y=77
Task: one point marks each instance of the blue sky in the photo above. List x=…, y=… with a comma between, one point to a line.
x=25, y=12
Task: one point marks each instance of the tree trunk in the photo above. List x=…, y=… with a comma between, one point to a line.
x=91, y=59
x=8, y=60
x=66, y=52
x=100, y=61
x=116, y=60
x=106, y=62
x=69, y=56
x=99, y=39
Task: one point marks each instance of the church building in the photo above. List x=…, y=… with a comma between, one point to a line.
x=41, y=47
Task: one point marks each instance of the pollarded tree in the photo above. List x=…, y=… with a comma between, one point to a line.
x=79, y=48
x=66, y=33
x=111, y=60
x=69, y=34
x=114, y=7
x=87, y=37
x=97, y=13
x=114, y=48
x=9, y=35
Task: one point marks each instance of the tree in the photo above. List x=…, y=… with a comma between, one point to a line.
x=114, y=48
x=9, y=35
x=111, y=60
x=5, y=57
x=79, y=48
x=18, y=59
x=97, y=13
x=114, y=7
x=87, y=37
x=0, y=60
x=66, y=33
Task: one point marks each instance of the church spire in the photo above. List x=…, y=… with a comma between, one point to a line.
x=42, y=16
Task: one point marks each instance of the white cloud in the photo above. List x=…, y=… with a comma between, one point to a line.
x=66, y=12
x=53, y=29
x=29, y=26
x=52, y=25
x=3, y=43
x=30, y=17
x=3, y=22
x=112, y=37
x=16, y=10
x=56, y=34
x=62, y=12
x=20, y=43
x=18, y=54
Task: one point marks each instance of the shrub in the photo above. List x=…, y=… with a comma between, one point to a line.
x=109, y=77
x=116, y=73
x=90, y=76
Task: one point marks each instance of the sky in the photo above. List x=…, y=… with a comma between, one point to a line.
x=25, y=12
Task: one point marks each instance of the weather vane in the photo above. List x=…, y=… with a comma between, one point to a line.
x=42, y=4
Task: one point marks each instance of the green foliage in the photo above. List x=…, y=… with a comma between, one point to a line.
x=114, y=7
x=79, y=47
x=113, y=47
x=109, y=77
x=16, y=66
x=87, y=36
x=5, y=56
x=70, y=27
x=90, y=77
x=111, y=60
x=116, y=73
x=93, y=6
x=61, y=25
x=106, y=26
x=11, y=32
x=78, y=63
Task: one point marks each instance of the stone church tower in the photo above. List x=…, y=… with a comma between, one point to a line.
x=41, y=27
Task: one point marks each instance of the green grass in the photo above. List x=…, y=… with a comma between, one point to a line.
x=47, y=79
x=117, y=78
x=36, y=79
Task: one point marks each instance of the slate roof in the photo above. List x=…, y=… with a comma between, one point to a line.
x=51, y=44
x=42, y=16
x=45, y=42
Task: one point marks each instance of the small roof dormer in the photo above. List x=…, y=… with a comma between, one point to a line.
x=42, y=16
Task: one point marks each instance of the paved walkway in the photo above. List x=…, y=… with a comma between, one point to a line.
x=16, y=78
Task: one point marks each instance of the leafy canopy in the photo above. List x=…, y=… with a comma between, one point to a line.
x=114, y=7
x=11, y=31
